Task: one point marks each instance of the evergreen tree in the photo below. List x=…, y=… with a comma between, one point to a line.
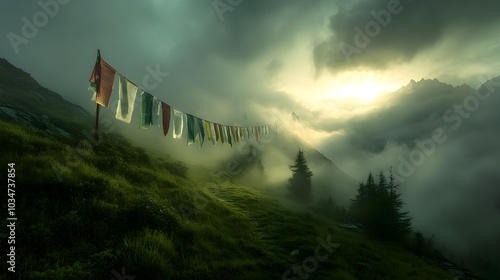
x=358, y=205
x=382, y=187
x=403, y=221
x=363, y=206
x=382, y=213
x=300, y=184
x=378, y=207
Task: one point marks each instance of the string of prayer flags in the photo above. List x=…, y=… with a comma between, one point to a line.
x=102, y=81
x=126, y=99
x=154, y=111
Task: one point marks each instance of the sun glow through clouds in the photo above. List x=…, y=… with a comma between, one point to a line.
x=366, y=91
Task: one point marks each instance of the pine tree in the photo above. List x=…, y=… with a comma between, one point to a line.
x=382, y=187
x=378, y=207
x=300, y=184
x=358, y=205
x=371, y=188
x=381, y=211
x=366, y=206
x=402, y=220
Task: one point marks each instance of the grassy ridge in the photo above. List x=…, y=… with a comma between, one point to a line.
x=119, y=207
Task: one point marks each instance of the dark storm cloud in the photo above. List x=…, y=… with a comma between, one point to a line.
x=413, y=27
x=258, y=26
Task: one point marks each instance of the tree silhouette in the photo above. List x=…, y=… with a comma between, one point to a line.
x=300, y=184
x=379, y=207
x=401, y=219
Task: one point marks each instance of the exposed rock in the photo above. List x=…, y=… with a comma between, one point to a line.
x=42, y=123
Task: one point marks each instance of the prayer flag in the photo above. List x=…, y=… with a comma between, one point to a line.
x=178, y=118
x=102, y=80
x=165, y=108
x=156, y=111
x=216, y=132
x=208, y=131
x=200, y=133
x=127, y=93
x=222, y=134
x=228, y=134
x=146, y=110
x=190, y=128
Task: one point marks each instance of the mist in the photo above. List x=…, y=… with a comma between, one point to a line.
x=452, y=191
x=263, y=60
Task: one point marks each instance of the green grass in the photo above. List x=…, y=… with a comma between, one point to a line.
x=119, y=207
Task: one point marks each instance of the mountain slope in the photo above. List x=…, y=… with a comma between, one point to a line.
x=119, y=207
x=23, y=99
x=87, y=212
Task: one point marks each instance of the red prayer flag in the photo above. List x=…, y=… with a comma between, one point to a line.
x=103, y=76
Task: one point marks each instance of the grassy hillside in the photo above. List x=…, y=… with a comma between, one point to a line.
x=87, y=212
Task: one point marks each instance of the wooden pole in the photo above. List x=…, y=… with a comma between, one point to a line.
x=97, y=86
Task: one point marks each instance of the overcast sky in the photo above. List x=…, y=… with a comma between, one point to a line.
x=266, y=58
x=338, y=64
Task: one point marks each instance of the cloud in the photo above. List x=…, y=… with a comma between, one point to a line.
x=378, y=34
